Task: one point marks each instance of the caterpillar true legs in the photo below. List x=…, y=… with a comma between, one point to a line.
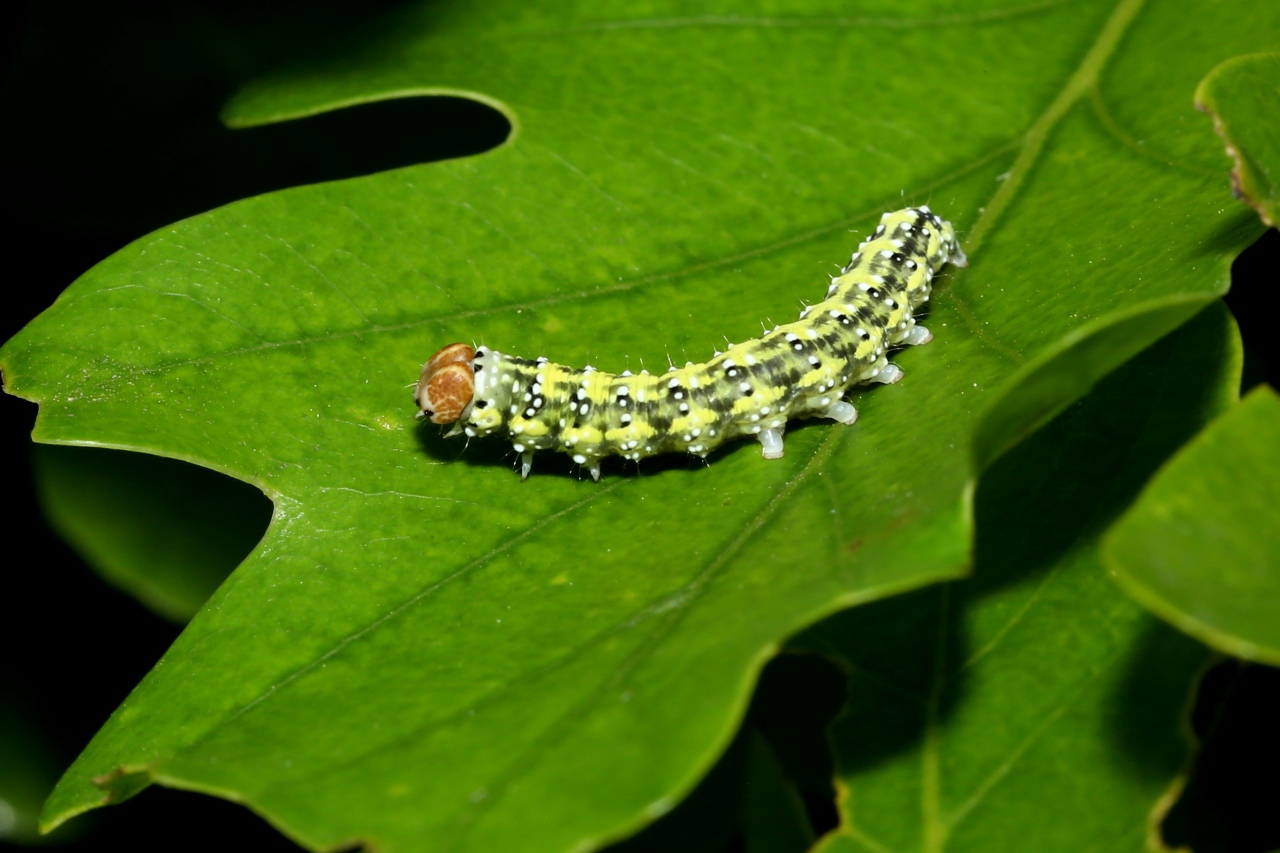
x=800, y=370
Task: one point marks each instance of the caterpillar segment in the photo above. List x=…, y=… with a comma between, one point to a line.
x=751, y=390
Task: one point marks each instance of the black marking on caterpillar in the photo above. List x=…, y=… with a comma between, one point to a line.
x=800, y=370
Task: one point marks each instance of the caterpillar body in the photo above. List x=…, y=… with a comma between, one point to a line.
x=799, y=370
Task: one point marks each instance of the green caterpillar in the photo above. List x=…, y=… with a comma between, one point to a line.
x=800, y=370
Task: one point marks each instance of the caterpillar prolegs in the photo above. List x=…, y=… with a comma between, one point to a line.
x=800, y=370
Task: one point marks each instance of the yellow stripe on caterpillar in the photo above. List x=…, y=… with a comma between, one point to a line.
x=799, y=370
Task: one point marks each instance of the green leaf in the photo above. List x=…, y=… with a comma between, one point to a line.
x=1201, y=547
x=424, y=651
x=1243, y=96
x=1033, y=707
x=164, y=531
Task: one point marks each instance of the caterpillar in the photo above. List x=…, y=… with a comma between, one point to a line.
x=799, y=370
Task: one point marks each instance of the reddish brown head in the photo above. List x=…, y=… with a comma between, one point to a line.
x=446, y=384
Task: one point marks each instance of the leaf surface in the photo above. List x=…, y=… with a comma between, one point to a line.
x=1033, y=706
x=426, y=653
x=1243, y=96
x=1201, y=547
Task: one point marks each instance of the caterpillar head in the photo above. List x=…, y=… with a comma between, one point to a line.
x=446, y=385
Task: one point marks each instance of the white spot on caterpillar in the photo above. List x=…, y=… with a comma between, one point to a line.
x=601, y=417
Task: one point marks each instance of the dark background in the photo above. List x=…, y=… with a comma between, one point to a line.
x=110, y=130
